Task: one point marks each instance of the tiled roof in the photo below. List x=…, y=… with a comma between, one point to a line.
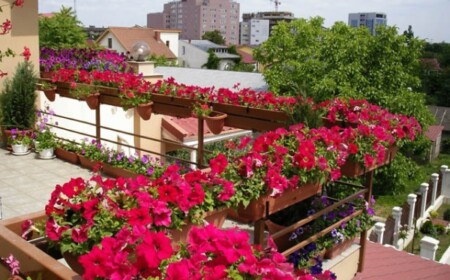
x=128, y=36
x=433, y=132
x=216, y=78
x=185, y=129
x=387, y=263
x=246, y=57
x=431, y=64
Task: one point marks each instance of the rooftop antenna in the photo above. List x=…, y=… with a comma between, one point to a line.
x=277, y=3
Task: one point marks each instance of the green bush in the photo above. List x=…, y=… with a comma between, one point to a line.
x=447, y=215
x=440, y=229
x=18, y=98
x=428, y=228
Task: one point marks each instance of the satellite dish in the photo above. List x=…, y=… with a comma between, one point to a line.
x=140, y=51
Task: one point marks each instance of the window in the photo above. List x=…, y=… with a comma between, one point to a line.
x=109, y=43
x=168, y=43
x=183, y=50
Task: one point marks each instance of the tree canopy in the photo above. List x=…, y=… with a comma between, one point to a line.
x=214, y=36
x=62, y=30
x=303, y=57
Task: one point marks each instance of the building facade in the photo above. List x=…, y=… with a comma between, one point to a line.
x=256, y=27
x=369, y=20
x=195, y=17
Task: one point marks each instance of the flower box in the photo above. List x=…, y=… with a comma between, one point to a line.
x=262, y=114
x=174, y=100
x=67, y=156
x=216, y=217
x=116, y=172
x=352, y=168
x=108, y=90
x=33, y=260
x=267, y=205
x=337, y=249
x=87, y=163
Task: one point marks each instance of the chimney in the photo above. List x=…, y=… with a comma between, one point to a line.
x=157, y=35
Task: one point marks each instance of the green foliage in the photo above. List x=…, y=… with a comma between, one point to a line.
x=62, y=30
x=18, y=98
x=447, y=215
x=440, y=229
x=161, y=60
x=214, y=36
x=213, y=61
x=428, y=228
x=394, y=178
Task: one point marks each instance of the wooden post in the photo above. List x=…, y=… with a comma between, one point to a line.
x=258, y=234
x=200, y=147
x=97, y=124
x=363, y=239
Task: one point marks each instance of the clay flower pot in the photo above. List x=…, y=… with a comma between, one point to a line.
x=50, y=94
x=215, y=121
x=93, y=100
x=145, y=110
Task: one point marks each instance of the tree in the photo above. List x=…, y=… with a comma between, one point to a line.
x=62, y=30
x=214, y=36
x=213, y=61
x=302, y=57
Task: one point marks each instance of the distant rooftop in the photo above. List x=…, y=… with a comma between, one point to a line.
x=216, y=78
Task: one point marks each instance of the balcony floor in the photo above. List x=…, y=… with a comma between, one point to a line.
x=26, y=182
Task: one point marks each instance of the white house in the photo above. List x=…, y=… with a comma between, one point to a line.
x=194, y=54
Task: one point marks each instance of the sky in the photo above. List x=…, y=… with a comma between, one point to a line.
x=429, y=19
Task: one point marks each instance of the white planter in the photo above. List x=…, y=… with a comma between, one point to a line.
x=19, y=149
x=36, y=145
x=46, y=153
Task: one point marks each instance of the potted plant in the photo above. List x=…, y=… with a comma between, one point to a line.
x=20, y=141
x=86, y=92
x=48, y=88
x=139, y=99
x=46, y=143
x=68, y=151
x=214, y=120
x=18, y=100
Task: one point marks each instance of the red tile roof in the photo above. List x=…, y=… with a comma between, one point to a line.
x=128, y=36
x=385, y=263
x=186, y=128
x=433, y=132
x=246, y=57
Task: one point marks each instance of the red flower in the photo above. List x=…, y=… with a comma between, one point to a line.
x=218, y=164
x=94, y=264
x=26, y=53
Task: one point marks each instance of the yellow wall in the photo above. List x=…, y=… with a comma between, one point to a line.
x=24, y=32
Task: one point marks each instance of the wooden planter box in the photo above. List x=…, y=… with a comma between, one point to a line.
x=338, y=249
x=267, y=205
x=67, y=156
x=33, y=261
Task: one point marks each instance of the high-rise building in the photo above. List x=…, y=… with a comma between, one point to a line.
x=370, y=20
x=256, y=27
x=195, y=17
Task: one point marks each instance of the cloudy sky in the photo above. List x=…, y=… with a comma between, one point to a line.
x=430, y=19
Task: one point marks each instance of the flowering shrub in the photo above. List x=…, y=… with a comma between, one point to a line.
x=211, y=253
x=81, y=213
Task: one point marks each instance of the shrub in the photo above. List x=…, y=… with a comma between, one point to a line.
x=18, y=98
x=447, y=215
x=440, y=229
x=434, y=214
x=428, y=228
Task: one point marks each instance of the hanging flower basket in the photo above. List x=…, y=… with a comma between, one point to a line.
x=50, y=94
x=145, y=110
x=93, y=101
x=267, y=205
x=215, y=121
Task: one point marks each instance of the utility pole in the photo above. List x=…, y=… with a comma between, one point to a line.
x=75, y=7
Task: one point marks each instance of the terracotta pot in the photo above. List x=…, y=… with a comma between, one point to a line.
x=216, y=217
x=215, y=121
x=72, y=261
x=93, y=101
x=87, y=163
x=46, y=75
x=145, y=110
x=338, y=249
x=118, y=172
x=267, y=205
x=67, y=156
x=50, y=94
